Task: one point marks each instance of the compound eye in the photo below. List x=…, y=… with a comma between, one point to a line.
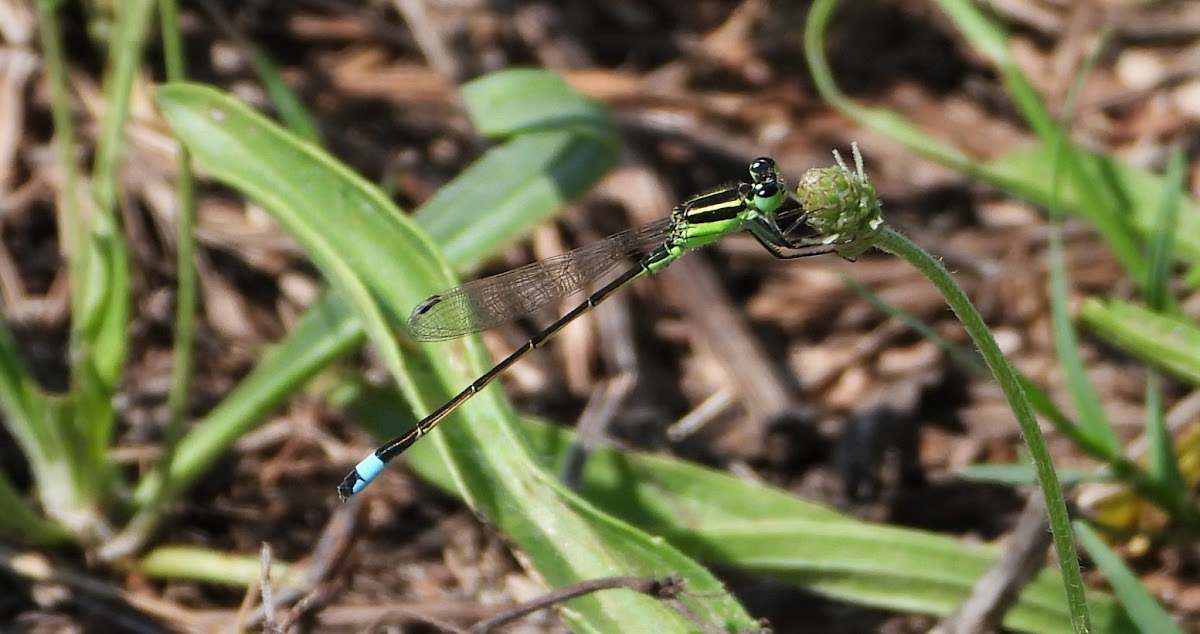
x=762, y=169
x=768, y=196
x=766, y=190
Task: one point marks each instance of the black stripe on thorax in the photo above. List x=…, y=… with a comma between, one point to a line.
x=715, y=207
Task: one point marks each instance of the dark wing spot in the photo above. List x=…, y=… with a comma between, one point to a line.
x=427, y=305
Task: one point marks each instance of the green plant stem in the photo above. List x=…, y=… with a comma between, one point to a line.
x=1060, y=522
x=133, y=23
x=134, y=535
x=185, y=308
x=49, y=439
x=56, y=461
x=64, y=133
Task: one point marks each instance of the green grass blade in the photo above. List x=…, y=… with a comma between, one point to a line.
x=1092, y=421
x=28, y=418
x=22, y=525
x=292, y=111
x=1143, y=609
x=1166, y=341
x=124, y=58
x=207, y=566
x=1162, y=245
x=880, y=566
x=563, y=143
x=183, y=350
x=490, y=201
x=100, y=305
x=1163, y=464
x=24, y=405
x=99, y=295
x=54, y=56
x=881, y=120
x=41, y=426
x=383, y=266
x=99, y=343
x=1024, y=172
x=521, y=101
x=989, y=39
x=1022, y=474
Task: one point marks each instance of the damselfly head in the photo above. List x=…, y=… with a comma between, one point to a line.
x=769, y=195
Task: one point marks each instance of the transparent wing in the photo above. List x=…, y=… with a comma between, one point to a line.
x=491, y=301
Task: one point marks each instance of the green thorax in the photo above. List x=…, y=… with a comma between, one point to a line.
x=710, y=217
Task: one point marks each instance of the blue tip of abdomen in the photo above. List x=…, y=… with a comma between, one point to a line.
x=364, y=472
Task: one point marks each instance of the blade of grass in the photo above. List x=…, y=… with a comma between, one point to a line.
x=100, y=303
x=1162, y=246
x=1165, y=341
x=185, y=254
x=561, y=142
x=97, y=350
x=27, y=418
x=54, y=62
x=125, y=53
x=100, y=311
x=1093, y=422
x=71, y=466
x=20, y=524
x=1024, y=170
x=1023, y=475
x=1142, y=608
x=325, y=333
x=25, y=406
x=536, y=171
x=1163, y=464
x=207, y=566
x=520, y=101
x=134, y=534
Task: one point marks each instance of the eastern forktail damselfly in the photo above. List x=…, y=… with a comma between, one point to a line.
x=492, y=301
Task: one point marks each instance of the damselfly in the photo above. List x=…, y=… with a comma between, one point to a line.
x=753, y=206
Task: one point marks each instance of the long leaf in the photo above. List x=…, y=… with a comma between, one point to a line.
x=1167, y=341
x=1142, y=608
x=514, y=187
x=767, y=531
x=378, y=260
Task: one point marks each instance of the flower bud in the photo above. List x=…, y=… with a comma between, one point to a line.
x=841, y=207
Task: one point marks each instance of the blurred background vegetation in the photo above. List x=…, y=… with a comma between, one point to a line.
x=185, y=373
